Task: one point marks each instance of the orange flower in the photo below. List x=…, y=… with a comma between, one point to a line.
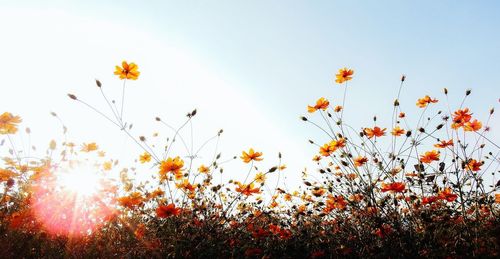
x=185, y=185
x=360, y=161
x=446, y=194
x=376, y=131
x=473, y=125
x=335, y=202
x=171, y=165
x=251, y=155
x=318, y=192
x=497, y=197
x=429, y=200
x=460, y=117
x=127, y=71
x=260, y=177
x=422, y=102
x=133, y=200
x=5, y=174
x=321, y=103
x=344, y=75
x=402, y=115
x=328, y=149
x=203, y=169
x=89, y=147
x=155, y=194
x=444, y=143
x=247, y=189
x=316, y=158
x=393, y=187
x=165, y=211
x=397, y=131
x=338, y=108
x=429, y=156
x=140, y=231
x=8, y=123
x=474, y=165
x=144, y=158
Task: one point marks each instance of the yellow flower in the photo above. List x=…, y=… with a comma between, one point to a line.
x=344, y=75
x=144, y=158
x=397, y=131
x=171, y=165
x=260, y=177
x=89, y=147
x=203, y=169
x=127, y=71
x=107, y=165
x=8, y=123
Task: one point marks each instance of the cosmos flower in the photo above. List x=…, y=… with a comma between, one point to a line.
x=127, y=71
x=321, y=104
x=165, y=211
x=429, y=156
x=251, y=156
x=8, y=123
x=375, y=132
x=343, y=75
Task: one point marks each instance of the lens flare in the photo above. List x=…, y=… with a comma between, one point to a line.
x=73, y=199
x=82, y=181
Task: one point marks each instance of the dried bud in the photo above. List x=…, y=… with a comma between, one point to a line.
x=310, y=141
x=72, y=96
x=193, y=113
x=492, y=110
x=220, y=132
x=439, y=126
x=421, y=130
x=396, y=102
x=374, y=118
x=157, y=119
x=467, y=92
x=408, y=133
x=98, y=83
x=403, y=77
x=142, y=138
x=445, y=90
x=303, y=118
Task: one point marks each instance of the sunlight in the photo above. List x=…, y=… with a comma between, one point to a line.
x=82, y=180
x=73, y=200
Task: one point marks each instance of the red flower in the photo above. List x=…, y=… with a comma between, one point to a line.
x=393, y=187
x=165, y=211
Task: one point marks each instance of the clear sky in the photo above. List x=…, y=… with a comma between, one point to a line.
x=250, y=67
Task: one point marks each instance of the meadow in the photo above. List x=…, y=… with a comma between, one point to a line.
x=424, y=189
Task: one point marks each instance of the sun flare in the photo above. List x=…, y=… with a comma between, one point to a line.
x=73, y=199
x=82, y=181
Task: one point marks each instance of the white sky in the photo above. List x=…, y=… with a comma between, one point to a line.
x=50, y=53
x=249, y=69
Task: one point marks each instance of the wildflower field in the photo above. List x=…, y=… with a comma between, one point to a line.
x=400, y=190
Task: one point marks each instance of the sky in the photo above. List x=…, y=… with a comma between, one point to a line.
x=249, y=67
